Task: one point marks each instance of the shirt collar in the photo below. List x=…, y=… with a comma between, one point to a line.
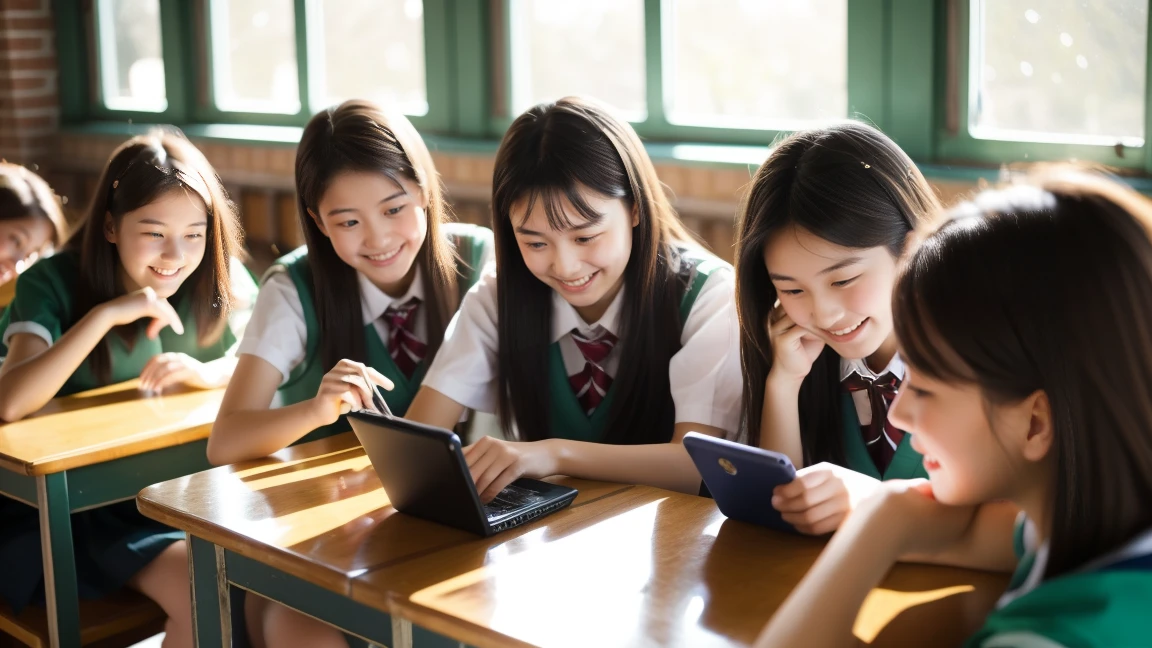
x=565, y=318
x=859, y=366
x=373, y=301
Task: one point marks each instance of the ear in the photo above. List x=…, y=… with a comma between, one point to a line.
x=635, y=215
x=319, y=222
x=109, y=228
x=1041, y=433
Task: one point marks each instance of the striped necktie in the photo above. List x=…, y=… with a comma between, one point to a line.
x=406, y=350
x=592, y=383
x=880, y=436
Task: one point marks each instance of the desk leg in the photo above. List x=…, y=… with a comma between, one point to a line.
x=211, y=604
x=60, y=587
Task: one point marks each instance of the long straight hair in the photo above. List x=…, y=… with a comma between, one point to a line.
x=1047, y=286
x=24, y=194
x=359, y=136
x=141, y=171
x=850, y=185
x=548, y=154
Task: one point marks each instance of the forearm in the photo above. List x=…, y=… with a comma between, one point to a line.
x=822, y=610
x=30, y=384
x=216, y=373
x=251, y=434
x=780, y=418
x=986, y=544
x=664, y=465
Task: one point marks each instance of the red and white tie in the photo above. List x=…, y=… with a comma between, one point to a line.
x=591, y=384
x=880, y=436
x=406, y=350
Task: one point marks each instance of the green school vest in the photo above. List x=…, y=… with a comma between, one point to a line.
x=906, y=464
x=45, y=297
x=1106, y=607
x=472, y=244
x=568, y=419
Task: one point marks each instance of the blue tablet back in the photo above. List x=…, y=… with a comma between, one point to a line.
x=741, y=478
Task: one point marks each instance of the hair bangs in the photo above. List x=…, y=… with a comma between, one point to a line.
x=560, y=202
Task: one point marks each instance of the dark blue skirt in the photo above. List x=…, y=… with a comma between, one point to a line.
x=112, y=544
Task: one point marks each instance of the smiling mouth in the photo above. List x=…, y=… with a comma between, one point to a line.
x=165, y=272
x=846, y=331
x=386, y=256
x=581, y=282
x=930, y=463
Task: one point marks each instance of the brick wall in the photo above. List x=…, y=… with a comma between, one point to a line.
x=29, y=104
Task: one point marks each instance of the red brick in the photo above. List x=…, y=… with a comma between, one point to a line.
x=23, y=5
x=24, y=43
x=40, y=81
x=37, y=122
x=46, y=62
x=22, y=22
x=24, y=103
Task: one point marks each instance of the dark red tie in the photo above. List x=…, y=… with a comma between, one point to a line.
x=591, y=384
x=880, y=436
x=406, y=350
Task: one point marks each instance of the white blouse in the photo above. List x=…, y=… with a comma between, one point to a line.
x=704, y=374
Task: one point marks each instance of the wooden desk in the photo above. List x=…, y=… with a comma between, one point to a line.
x=625, y=565
x=299, y=527
x=656, y=569
x=92, y=449
x=7, y=293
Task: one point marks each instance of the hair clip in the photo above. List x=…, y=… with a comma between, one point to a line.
x=865, y=165
x=115, y=183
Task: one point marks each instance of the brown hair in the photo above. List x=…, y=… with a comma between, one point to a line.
x=361, y=136
x=852, y=186
x=23, y=194
x=549, y=152
x=1046, y=286
x=141, y=171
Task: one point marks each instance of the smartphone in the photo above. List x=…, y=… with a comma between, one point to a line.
x=741, y=478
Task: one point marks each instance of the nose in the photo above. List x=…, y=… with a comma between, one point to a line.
x=826, y=312
x=897, y=412
x=565, y=261
x=173, y=249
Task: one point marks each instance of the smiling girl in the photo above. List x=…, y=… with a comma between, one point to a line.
x=604, y=326
x=144, y=289
x=31, y=221
x=828, y=215
x=1026, y=327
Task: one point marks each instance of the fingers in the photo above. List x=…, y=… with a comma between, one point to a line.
x=379, y=378
x=806, y=479
x=819, y=520
x=364, y=391
x=498, y=484
x=162, y=315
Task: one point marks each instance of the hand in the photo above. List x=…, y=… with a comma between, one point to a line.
x=494, y=463
x=794, y=349
x=167, y=369
x=907, y=511
x=821, y=496
x=344, y=389
x=141, y=304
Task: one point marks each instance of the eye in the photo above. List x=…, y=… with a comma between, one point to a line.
x=195, y=235
x=535, y=245
x=394, y=210
x=841, y=284
x=348, y=224
x=587, y=239
x=791, y=291
x=155, y=235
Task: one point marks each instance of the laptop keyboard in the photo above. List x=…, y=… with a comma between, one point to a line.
x=510, y=499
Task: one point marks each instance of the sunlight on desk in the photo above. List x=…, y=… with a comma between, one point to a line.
x=883, y=605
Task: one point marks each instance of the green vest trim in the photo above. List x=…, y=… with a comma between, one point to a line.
x=906, y=464
x=471, y=242
x=568, y=419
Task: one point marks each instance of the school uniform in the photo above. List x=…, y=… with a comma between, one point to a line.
x=584, y=356
x=881, y=451
x=1104, y=603
x=284, y=330
x=113, y=542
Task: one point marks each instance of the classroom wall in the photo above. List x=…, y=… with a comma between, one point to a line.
x=259, y=176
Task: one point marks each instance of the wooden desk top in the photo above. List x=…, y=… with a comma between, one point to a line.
x=104, y=424
x=316, y=511
x=7, y=293
x=654, y=568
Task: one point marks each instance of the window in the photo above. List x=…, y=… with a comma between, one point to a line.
x=591, y=47
x=1059, y=70
x=254, y=56
x=783, y=62
x=370, y=49
x=130, y=55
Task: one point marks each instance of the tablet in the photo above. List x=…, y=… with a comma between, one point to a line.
x=741, y=478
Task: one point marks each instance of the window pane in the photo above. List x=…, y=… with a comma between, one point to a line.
x=783, y=62
x=131, y=59
x=1059, y=70
x=254, y=56
x=591, y=47
x=370, y=49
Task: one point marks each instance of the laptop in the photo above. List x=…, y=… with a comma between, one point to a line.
x=424, y=474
